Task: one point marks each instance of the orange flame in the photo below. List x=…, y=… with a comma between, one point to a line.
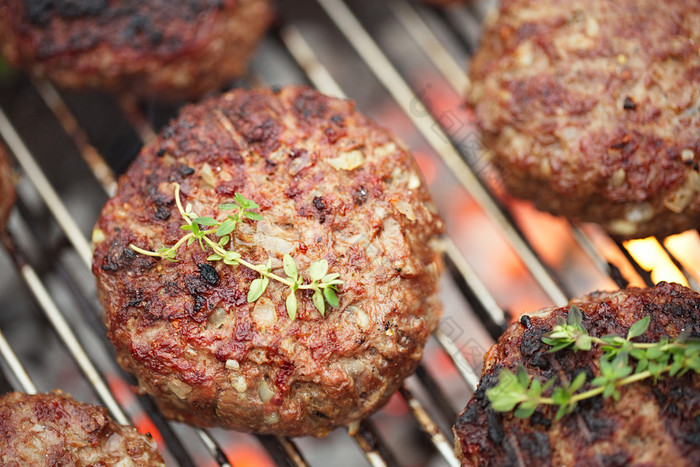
x=651, y=256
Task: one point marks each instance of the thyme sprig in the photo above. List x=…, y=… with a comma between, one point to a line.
x=675, y=357
x=201, y=230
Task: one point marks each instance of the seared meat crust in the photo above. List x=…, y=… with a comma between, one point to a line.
x=651, y=424
x=54, y=429
x=592, y=109
x=331, y=184
x=154, y=48
x=7, y=187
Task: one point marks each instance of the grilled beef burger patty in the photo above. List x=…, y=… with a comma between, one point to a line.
x=54, y=429
x=331, y=184
x=7, y=187
x=592, y=109
x=153, y=48
x=651, y=424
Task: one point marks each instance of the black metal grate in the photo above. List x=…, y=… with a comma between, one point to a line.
x=403, y=63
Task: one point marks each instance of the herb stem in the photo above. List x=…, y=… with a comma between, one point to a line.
x=322, y=283
x=599, y=390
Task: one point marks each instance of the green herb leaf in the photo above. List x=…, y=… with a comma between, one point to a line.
x=244, y=202
x=226, y=227
x=290, y=267
x=507, y=393
x=318, y=269
x=575, y=317
x=208, y=221
x=214, y=257
x=256, y=290
x=638, y=328
x=331, y=297
x=328, y=278
x=578, y=382
x=228, y=206
x=292, y=306
x=254, y=216
x=231, y=258
x=319, y=303
x=224, y=240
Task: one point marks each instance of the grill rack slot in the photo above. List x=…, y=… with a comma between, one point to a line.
x=483, y=303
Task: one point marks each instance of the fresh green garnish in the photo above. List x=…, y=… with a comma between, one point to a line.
x=201, y=229
x=675, y=357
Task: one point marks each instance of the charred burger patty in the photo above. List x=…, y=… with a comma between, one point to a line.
x=592, y=109
x=331, y=185
x=54, y=429
x=651, y=423
x=153, y=48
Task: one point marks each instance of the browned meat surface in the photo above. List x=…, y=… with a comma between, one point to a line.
x=331, y=184
x=651, y=424
x=7, y=187
x=54, y=429
x=153, y=48
x=592, y=109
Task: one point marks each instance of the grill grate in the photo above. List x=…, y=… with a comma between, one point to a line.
x=401, y=61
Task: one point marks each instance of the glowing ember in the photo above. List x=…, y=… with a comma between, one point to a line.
x=651, y=256
x=685, y=248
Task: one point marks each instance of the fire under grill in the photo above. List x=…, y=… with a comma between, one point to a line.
x=403, y=63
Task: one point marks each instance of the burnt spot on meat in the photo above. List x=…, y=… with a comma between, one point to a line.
x=338, y=120
x=120, y=257
x=162, y=213
x=525, y=321
x=199, y=302
x=208, y=273
x=618, y=459
x=39, y=11
x=308, y=105
x=495, y=426
x=629, y=104
x=294, y=153
x=319, y=204
x=360, y=195
x=537, y=446
x=185, y=171
x=538, y=418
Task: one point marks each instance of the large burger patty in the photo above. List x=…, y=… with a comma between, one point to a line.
x=7, y=187
x=153, y=48
x=592, y=109
x=651, y=424
x=331, y=185
x=54, y=429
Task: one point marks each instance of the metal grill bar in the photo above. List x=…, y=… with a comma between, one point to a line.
x=23, y=379
x=46, y=191
x=64, y=331
x=103, y=173
x=376, y=453
x=438, y=439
